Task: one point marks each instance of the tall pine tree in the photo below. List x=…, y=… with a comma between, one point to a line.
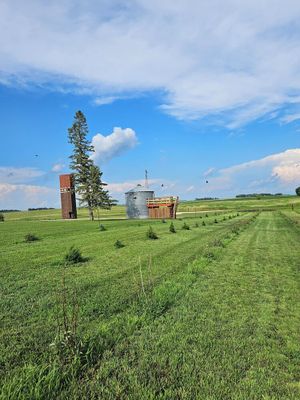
x=88, y=182
x=100, y=197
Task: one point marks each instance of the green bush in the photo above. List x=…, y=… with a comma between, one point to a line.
x=73, y=256
x=172, y=228
x=1, y=217
x=30, y=237
x=163, y=221
x=185, y=226
x=203, y=223
x=151, y=234
x=118, y=244
x=215, y=221
x=102, y=228
x=196, y=225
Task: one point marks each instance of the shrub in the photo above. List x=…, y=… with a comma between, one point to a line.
x=30, y=237
x=73, y=256
x=206, y=215
x=215, y=221
x=185, y=226
x=1, y=217
x=151, y=234
x=172, y=228
x=224, y=218
x=102, y=228
x=203, y=223
x=196, y=225
x=118, y=244
x=163, y=221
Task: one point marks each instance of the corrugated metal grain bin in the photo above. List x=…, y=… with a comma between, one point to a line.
x=136, y=202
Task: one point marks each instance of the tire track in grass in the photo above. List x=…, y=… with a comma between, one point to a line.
x=234, y=335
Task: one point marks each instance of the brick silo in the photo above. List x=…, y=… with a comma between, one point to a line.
x=67, y=196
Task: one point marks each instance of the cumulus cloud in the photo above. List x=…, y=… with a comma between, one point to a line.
x=231, y=60
x=276, y=172
x=107, y=147
x=25, y=196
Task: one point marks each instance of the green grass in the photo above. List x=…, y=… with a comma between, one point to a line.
x=185, y=208
x=206, y=313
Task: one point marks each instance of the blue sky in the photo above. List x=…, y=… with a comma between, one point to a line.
x=191, y=91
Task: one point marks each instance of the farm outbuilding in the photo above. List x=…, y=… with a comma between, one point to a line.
x=162, y=207
x=136, y=202
x=67, y=196
x=141, y=204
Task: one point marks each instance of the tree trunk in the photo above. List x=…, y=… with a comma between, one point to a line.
x=91, y=213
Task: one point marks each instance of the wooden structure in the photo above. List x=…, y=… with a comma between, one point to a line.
x=67, y=196
x=162, y=207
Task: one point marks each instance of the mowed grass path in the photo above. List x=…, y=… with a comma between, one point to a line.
x=218, y=320
x=235, y=335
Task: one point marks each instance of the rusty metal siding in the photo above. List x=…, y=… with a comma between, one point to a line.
x=67, y=196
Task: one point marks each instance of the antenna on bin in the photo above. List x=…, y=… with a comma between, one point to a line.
x=146, y=178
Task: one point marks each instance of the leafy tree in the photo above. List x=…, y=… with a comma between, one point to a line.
x=88, y=183
x=297, y=191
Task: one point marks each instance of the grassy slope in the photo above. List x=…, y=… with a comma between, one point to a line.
x=222, y=326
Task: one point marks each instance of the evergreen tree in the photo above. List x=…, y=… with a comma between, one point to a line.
x=100, y=197
x=297, y=191
x=88, y=183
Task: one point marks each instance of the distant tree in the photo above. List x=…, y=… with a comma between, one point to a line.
x=297, y=191
x=88, y=183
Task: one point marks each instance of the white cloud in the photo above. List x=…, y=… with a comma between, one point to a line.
x=209, y=172
x=190, y=188
x=100, y=101
x=234, y=60
x=26, y=196
x=275, y=173
x=107, y=147
x=57, y=167
x=290, y=118
x=19, y=175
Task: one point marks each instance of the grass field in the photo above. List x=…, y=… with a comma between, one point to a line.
x=242, y=204
x=206, y=313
